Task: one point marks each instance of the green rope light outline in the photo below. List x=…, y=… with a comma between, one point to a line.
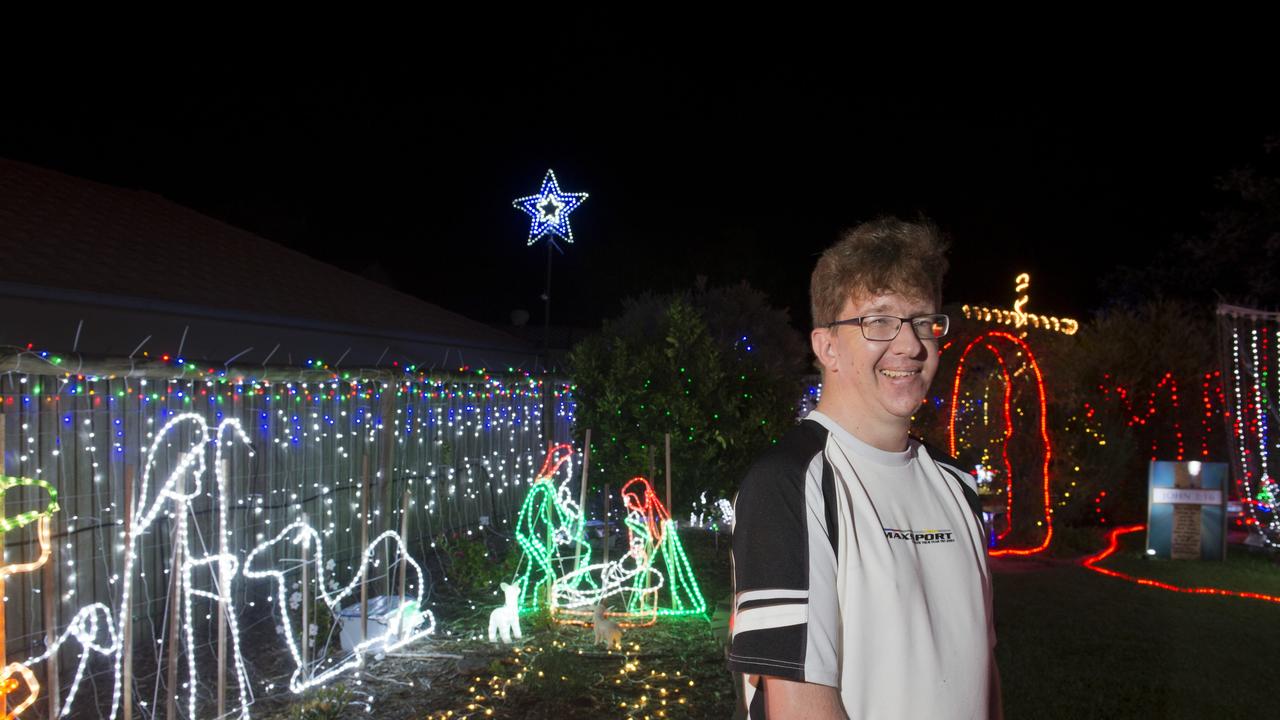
x=643, y=607
x=26, y=518
x=559, y=521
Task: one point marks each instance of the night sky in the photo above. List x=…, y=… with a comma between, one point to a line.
x=736, y=166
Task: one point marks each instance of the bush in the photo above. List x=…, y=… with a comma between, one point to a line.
x=471, y=567
x=717, y=369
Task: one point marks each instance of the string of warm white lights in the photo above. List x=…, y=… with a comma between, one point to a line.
x=1017, y=317
x=9, y=683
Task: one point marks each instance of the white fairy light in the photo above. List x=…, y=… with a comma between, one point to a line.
x=399, y=633
x=550, y=209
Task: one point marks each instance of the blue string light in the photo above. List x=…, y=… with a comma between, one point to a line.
x=550, y=210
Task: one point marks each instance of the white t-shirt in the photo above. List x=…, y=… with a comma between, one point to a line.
x=864, y=570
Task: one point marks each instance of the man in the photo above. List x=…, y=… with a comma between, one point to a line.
x=860, y=575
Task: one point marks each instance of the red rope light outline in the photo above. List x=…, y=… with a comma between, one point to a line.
x=1092, y=561
x=1044, y=431
x=1008, y=435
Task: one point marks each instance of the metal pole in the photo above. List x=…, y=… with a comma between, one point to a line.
x=175, y=605
x=50, y=626
x=546, y=296
x=607, y=536
x=668, y=443
x=582, y=493
x=126, y=631
x=404, y=560
x=4, y=652
x=306, y=601
x=224, y=591
x=364, y=544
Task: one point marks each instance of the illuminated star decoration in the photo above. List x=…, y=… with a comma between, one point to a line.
x=550, y=210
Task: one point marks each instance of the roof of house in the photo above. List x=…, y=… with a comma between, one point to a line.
x=63, y=232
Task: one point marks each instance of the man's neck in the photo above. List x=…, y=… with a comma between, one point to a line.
x=881, y=435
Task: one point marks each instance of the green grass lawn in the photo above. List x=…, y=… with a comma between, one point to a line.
x=1077, y=644
x=1072, y=644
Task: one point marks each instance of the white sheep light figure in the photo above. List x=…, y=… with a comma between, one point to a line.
x=505, y=621
x=606, y=630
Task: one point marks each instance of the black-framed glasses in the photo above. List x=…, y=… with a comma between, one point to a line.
x=883, y=328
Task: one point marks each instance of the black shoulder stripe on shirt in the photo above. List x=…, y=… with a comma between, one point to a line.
x=830, y=504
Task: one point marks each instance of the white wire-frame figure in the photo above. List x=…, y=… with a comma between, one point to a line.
x=402, y=631
x=145, y=513
x=84, y=628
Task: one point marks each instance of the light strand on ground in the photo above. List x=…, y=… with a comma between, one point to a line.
x=1092, y=561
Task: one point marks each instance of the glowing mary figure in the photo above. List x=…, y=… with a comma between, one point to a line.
x=653, y=578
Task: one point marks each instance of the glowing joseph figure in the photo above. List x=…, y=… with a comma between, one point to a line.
x=549, y=531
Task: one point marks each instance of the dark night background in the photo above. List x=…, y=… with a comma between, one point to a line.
x=737, y=165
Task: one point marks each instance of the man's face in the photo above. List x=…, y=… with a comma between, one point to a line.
x=884, y=381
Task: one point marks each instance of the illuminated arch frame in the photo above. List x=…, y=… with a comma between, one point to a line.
x=1044, y=430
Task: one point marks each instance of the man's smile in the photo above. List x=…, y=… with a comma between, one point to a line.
x=898, y=373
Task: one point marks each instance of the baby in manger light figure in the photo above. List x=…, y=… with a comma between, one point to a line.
x=651, y=537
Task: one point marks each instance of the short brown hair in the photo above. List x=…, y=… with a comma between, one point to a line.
x=883, y=255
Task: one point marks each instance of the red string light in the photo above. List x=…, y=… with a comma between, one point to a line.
x=1092, y=561
x=1044, y=430
x=1211, y=388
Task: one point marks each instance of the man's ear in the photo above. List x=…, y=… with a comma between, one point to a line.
x=824, y=347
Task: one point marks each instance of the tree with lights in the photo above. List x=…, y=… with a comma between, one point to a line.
x=718, y=369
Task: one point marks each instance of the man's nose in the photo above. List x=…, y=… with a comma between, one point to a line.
x=907, y=343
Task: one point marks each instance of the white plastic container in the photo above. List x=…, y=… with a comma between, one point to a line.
x=383, y=611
